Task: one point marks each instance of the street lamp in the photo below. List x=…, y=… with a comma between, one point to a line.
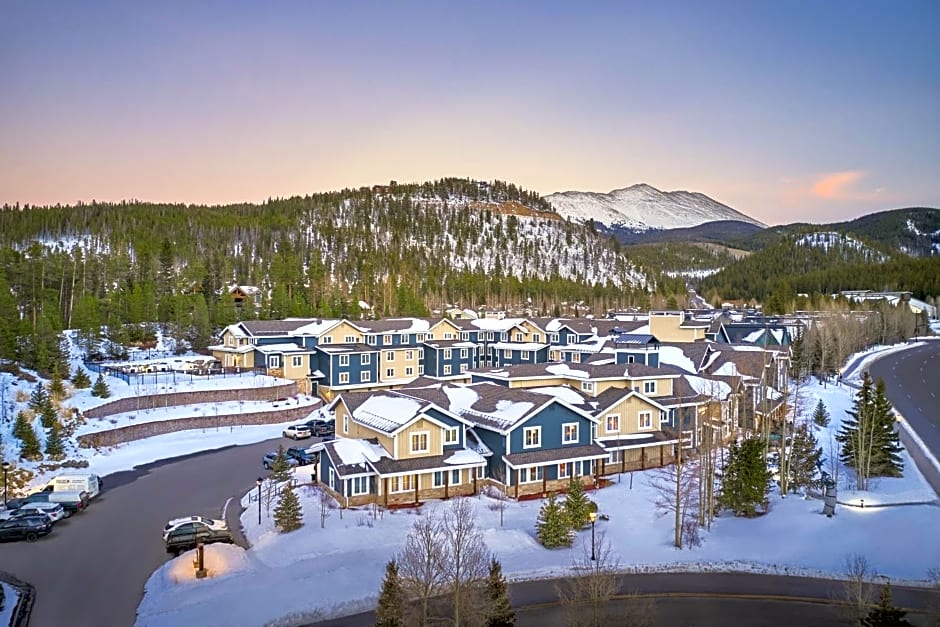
x=259, y=482
x=593, y=516
x=6, y=466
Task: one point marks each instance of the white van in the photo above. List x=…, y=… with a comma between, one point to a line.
x=88, y=483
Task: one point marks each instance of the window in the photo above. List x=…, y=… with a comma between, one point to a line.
x=409, y=355
x=463, y=353
x=587, y=386
x=230, y=341
x=421, y=337
x=532, y=437
x=344, y=377
x=646, y=419
x=420, y=369
x=345, y=424
x=576, y=358
x=349, y=339
x=569, y=433
x=326, y=339
x=297, y=361
x=564, y=471
x=451, y=436
x=525, y=354
x=446, y=368
x=489, y=336
x=447, y=353
x=439, y=478
x=465, y=336
x=389, y=373
x=409, y=371
x=420, y=442
x=507, y=353
x=402, y=484
x=365, y=359
x=386, y=340
x=365, y=376
x=371, y=340
x=553, y=338
x=613, y=423
x=344, y=360
x=530, y=475
x=615, y=457
x=332, y=479
x=463, y=367
x=389, y=355
x=663, y=417
x=455, y=477
x=554, y=356
x=629, y=359
x=358, y=485
x=649, y=387
x=274, y=361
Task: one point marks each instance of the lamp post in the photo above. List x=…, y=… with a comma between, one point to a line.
x=259, y=482
x=6, y=466
x=593, y=516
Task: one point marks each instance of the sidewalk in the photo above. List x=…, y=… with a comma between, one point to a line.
x=232, y=512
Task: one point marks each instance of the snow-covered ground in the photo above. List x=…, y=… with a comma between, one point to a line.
x=320, y=572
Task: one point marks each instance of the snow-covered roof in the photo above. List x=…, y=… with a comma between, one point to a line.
x=566, y=371
x=353, y=451
x=280, y=348
x=709, y=387
x=518, y=346
x=465, y=456
x=561, y=392
x=387, y=412
x=674, y=356
x=493, y=324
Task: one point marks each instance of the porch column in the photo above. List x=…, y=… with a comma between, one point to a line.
x=544, y=479
x=518, y=472
x=385, y=490
x=603, y=467
x=475, y=472
x=417, y=481
x=623, y=461
x=643, y=458
x=446, y=484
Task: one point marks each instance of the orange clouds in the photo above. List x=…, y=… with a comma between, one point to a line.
x=835, y=185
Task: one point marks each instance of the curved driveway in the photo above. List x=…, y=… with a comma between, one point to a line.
x=91, y=570
x=912, y=383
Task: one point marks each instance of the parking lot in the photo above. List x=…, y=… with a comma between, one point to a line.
x=91, y=570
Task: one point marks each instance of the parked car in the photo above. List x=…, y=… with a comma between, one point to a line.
x=197, y=521
x=75, y=482
x=72, y=501
x=298, y=432
x=321, y=427
x=268, y=460
x=187, y=535
x=27, y=528
x=302, y=456
x=54, y=511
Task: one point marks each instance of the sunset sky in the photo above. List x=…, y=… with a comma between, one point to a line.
x=787, y=111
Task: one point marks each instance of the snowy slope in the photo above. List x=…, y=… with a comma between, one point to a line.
x=643, y=207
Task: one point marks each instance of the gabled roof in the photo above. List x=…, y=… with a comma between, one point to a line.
x=317, y=327
x=395, y=325
x=352, y=456
x=387, y=411
x=258, y=328
x=276, y=349
x=608, y=398
x=491, y=324
x=582, y=371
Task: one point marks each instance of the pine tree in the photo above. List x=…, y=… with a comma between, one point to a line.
x=48, y=415
x=39, y=398
x=54, y=446
x=869, y=436
x=288, y=514
x=100, y=389
x=56, y=389
x=821, y=414
x=886, y=614
x=80, y=379
x=391, y=610
x=29, y=443
x=551, y=527
x=746, y=479
x=280, y=467
x=886, y=461
x=577, y=505
x=805, y=458
x=500, y=612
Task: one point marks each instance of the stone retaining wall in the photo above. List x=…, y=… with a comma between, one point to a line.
x=172, y=399
x=130, y=433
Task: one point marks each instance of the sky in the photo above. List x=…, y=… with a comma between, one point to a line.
x=786, y=111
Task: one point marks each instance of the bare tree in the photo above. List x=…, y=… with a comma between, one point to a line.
x=326, y=504
x=466, y=559
x=857, y=590
x=676, y=492
x=500, y=501
x=420, y=565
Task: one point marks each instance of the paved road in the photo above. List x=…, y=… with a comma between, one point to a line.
x=703, y=599
x=92, y=569
x=912, y=383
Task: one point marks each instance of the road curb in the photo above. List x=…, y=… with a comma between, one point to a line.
x=24, y=604
x=232, y=515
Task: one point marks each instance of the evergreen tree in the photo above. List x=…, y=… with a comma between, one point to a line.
x=821, y=414
x=48, y=415
x=805, y=458
x=81, y=379
x=746, y=478
x=288, y=514
x=54, y=446
x=29, y=443
x=280, y=466
x=39, y=398
x=869, y=437
x=391, y=610
x=577, y=505
x=886, y=461
x=886, y=614
x=100, y=389
x=56, y=389
x=551, y=527
x=500, y=612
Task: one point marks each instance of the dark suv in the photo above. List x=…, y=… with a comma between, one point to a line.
x=301, y=456
x=27, y=528
x=185, y=537
x=321, y=427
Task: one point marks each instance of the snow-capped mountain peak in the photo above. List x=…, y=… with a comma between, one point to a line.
x=642, y=207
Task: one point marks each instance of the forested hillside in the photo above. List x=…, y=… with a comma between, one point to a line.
x=403, y=249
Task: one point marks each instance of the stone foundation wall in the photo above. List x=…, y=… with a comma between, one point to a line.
x=173, y=399
x=130, y=433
